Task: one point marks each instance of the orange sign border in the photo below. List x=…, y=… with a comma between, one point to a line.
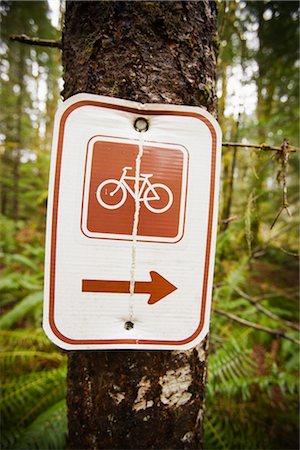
x=63, y=119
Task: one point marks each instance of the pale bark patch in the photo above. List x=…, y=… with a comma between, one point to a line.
x=175, y=384
x=201, y=352
x=187, y=437
x=118, y=396
x=141, y=402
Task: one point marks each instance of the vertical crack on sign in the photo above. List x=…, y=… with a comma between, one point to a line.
x=135, y=223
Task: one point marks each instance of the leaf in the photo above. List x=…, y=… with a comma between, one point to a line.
x=27, y=394
x=25, y=338
x=19, y=311
x=27, y=355
x=9, y=282
x=48, y=431
x=25, y=261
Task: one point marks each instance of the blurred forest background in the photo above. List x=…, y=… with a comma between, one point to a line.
x=252, y=392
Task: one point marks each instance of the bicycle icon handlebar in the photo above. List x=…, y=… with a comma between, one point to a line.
x=151, y=194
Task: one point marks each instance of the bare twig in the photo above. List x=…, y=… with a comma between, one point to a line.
x=229, y=219
x=289, y=253
x=277, y=333
x=263, y=147
x=260, y=251
x=217, y=285
x=266, y=311
x=24, y=39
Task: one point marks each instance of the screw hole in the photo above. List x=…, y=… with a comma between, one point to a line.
x=141, y=125
x=128, y=325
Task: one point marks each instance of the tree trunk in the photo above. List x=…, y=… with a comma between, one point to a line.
x=229, y=166
x=149, y=52
x=17, y=155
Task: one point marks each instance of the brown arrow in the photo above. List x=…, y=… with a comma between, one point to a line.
x=158, y=287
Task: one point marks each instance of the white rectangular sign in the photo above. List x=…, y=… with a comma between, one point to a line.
x=131, y=225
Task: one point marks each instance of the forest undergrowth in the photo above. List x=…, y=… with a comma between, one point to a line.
x=253, y=388
x=252, y=378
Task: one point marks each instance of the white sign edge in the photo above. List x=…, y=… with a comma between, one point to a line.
x=63, y=106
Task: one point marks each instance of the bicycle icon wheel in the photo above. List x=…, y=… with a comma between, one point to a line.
x=157, y=197
x=162, y=193
x=111, y=194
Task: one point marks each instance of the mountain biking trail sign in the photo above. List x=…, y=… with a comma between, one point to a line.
x=131, y=225
x=109, y=194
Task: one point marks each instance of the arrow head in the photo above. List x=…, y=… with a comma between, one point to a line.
x=159, y=288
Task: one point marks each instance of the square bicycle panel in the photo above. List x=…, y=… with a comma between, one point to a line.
x=110, y=188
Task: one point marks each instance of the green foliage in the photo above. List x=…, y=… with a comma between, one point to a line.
x=22, y=274
x=278, y=74
x=24, y=127
x=247, y=398
x=29, y=303
x=33, y=371
x=252, y=391
x=253, y=377
x=33, y=391
x=47, y=431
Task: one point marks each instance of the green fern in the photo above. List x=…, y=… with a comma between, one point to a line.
x=57, y=392
x=26, y=391
x=31, y=358
x=33, y=392
x=21, y=309
x=47, y=431
x=231, y=370
x=25, y=339
x=238, y=395
x=215, y=433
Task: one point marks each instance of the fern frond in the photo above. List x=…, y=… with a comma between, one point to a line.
x=56, y=393
x=228, y=365
x=20, y=360
x=214, y=434
x=26, y=390
x=10, y=435
x=228, y=426
x=239, y=394
x=25, y=338
x=48, y=431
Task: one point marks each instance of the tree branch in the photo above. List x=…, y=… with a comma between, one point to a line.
x=24, y=39
x=263, y=147
x=277, y=333
x=265, y=311
x=260, y=251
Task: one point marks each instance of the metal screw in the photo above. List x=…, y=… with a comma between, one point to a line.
x=141, y=125
x=128, y=325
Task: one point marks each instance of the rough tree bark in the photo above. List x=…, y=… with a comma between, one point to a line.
x=149, y=52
